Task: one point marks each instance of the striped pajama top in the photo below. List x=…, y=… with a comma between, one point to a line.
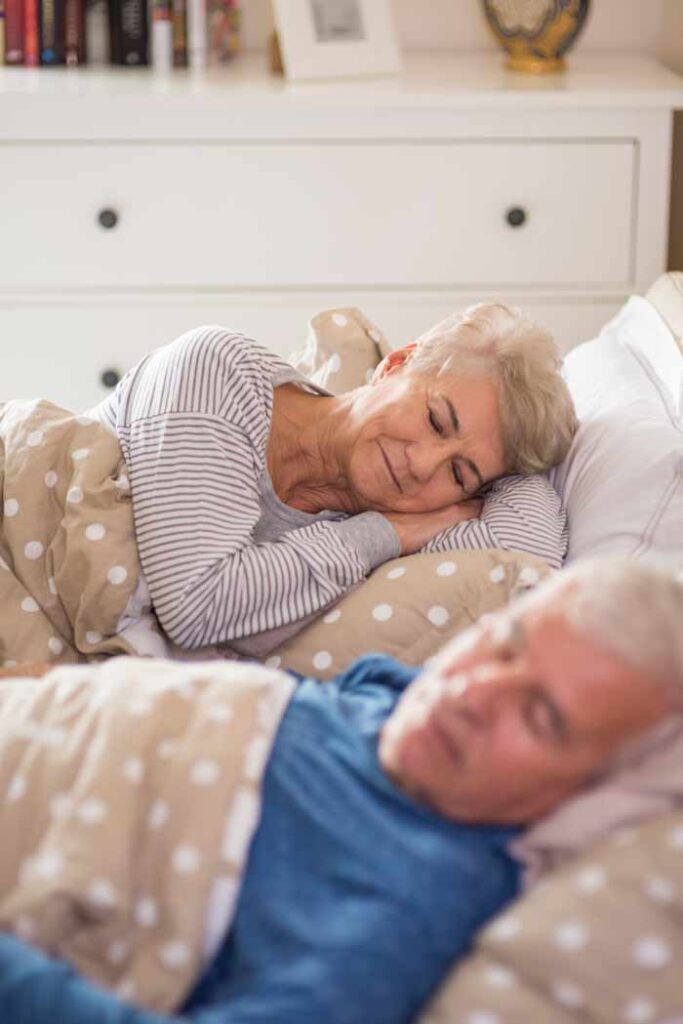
x=227, y=562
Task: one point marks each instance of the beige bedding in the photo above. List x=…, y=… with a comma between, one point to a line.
x=131, y=793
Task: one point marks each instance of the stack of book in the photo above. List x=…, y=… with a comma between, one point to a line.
x=160, y=33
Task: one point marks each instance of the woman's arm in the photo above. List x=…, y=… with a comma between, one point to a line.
x=35, y=989
x=521, y=513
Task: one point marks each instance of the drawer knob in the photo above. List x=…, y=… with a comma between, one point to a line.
x=110, y=378
x=516, y=216
x=108, y=218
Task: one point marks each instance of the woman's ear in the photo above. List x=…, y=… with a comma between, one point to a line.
x=393, y=361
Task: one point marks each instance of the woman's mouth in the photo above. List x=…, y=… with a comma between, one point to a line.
x=389, y=467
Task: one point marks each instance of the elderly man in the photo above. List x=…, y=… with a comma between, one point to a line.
x=389, y=805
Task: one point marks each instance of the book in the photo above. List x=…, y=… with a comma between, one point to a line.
x=179, y=34
x=197, y=34
x=161, y=41
x=128, y=32
x=2, y=31
x=14, y=31
x=31, y=33
x=51, y=13
x=224, y=25
x=74, y=32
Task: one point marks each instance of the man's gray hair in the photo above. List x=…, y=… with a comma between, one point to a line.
x=632, y=609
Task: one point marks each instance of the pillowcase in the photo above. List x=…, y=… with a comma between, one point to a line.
x=408, y=608
x=622, y=480
x=341, y=351
x=599, y=941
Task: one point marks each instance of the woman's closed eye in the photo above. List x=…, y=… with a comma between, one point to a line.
x=436, y=425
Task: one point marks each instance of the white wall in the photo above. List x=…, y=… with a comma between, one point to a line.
x=460, y=25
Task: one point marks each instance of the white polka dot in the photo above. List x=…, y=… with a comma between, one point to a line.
x=16, y=789
x=446, y=568
x=483, y=1017
x=497, y=575
x=223, y=712
x=382, y=612
x=273, y=662
x=638, y=1011
x=74, y=495
x=528, y=576
x=332, y=616
x=51, y=585
x=185, y=859
x=117, y=574
x=396, y=572
x=651, y=953
x=437, y=615
x=591, y=878
x=60, y=806
x=25, y=927
x=93, y=637
x=34, y=438
x=676, y=838
x=322, y=660
x=117, y=951
x=33, y=550
x=102, y=892
x=500, y=977
x=92, y=811
x=126, y=990
x=167, y=749
x=174, y=955
x=205, y=772
x=11, y=507
x=133, y=770
x=49, y=865
x=374, y=335
x=51, y=478
x=333, y=363
x=339, y=319
x=505, y=929
x=122, y=482
x=566, y=993
x=146, y=912
x=55, y=644
x=29, y=605
x=659, y=890
x=571, y=936
x=80, y=454
x=95, y=531
x=158, y=814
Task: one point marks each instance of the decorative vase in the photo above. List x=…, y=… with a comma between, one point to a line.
x=536, y=33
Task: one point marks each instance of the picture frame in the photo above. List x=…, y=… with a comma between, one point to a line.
x=336, y=38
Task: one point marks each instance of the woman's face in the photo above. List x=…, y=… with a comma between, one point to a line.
x=420, y=442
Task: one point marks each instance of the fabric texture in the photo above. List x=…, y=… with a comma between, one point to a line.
x=410, y=607
x=622, y=481
x=70, y=580
x=599, y=942
x=131, y=793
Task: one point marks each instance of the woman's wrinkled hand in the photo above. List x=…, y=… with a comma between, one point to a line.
x=415, y=529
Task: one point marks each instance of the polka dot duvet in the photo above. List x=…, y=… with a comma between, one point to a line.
x=132, y=791
x=70, y=580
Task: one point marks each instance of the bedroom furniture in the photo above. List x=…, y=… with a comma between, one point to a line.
x=135, y=206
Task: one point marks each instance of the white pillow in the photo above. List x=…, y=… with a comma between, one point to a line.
x=622, y=481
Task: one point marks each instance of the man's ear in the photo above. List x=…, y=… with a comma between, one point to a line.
x=393, y=361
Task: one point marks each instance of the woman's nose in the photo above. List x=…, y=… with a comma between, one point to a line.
x=425, y=459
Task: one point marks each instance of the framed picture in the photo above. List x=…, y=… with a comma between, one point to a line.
x=336, y=38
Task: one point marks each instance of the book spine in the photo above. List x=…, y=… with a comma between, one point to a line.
x=2, y=31
x=31, y=33
x=74, y=32
x=52, y=32
x=179, y=34
x=197, y=36
x=14, y=31
x=128, y=21
x=161, y=43
x=224, y=24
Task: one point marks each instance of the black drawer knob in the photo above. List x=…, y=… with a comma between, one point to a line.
x=110, y=378
x=108, y=218
x=516, y=216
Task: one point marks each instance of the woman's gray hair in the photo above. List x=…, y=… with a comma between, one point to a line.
x=633, y=610
x=536, y=410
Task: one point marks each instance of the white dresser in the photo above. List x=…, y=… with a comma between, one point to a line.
x=133, y=207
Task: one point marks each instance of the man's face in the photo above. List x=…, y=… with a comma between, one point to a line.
x=515, y=716
x=420, y=442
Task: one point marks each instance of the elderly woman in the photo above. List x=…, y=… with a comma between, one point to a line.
x=259, y=498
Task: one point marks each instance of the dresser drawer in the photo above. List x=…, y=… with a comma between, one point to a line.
x=390, y=214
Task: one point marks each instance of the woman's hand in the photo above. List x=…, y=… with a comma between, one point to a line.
x=415, y=529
